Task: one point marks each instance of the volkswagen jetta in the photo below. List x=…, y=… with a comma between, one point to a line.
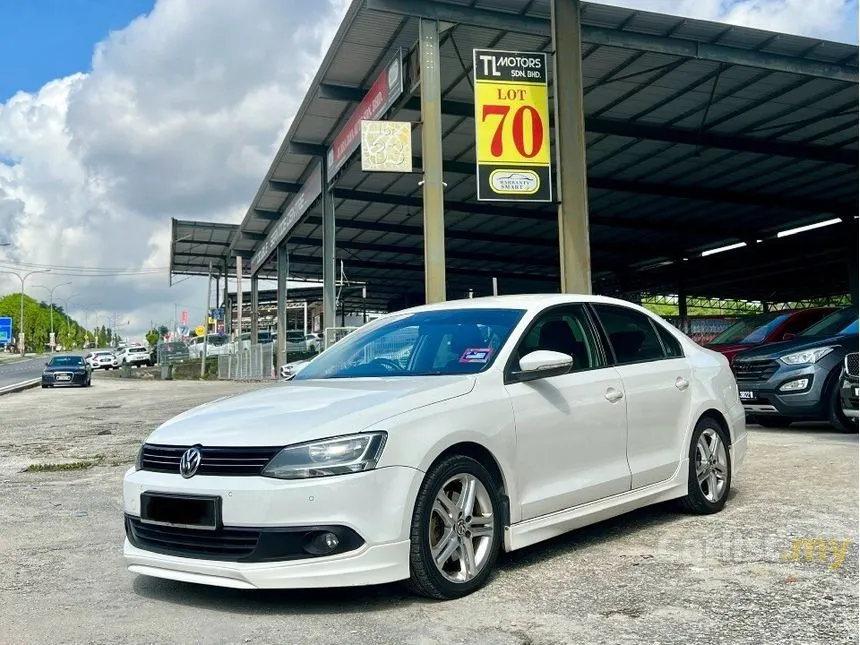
x=425, y=442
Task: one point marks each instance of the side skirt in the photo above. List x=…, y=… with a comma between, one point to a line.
x=542, y=528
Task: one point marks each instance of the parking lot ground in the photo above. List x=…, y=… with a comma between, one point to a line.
x=778, y=565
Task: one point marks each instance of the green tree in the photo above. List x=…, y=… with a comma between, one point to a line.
x=152, y=336
x=163, y=331
x=37, y=322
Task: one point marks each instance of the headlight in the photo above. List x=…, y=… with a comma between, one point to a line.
x=336, y=456
x=138, y=462
x=807, y=356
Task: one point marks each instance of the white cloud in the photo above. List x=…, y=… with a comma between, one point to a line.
x=179, y=116
x=827, y=19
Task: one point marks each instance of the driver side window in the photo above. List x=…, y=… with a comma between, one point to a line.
x=566, y=330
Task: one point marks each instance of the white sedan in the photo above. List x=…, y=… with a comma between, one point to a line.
x=421, y=445
x=103, y=360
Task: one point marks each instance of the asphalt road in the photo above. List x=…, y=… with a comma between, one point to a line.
x=750, y=575
x=12, y=372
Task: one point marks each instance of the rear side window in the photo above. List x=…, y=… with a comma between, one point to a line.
x=670, y=343
x=630, y=333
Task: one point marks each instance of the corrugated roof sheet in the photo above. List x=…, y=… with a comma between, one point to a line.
x=662, y=182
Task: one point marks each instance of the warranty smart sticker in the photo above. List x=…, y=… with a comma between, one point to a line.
x=479, y=355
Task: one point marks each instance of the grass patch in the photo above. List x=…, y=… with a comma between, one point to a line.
x=51, y=468
x=82, y=464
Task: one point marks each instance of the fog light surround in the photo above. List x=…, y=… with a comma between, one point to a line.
x=797, y=385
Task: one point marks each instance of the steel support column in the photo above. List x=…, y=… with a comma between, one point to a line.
x=255, y=305
x=575, y=266
x=283, y=270
x=852, y=257
x=328, y=238
x=239, y=297
x=431, y=150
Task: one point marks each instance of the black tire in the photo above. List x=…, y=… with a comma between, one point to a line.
x=695, y=501
x=44, y=386
x=771, y=421
x=835, y=416
x=425, y=579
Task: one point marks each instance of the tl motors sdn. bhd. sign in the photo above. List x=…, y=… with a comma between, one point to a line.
x=512, y=126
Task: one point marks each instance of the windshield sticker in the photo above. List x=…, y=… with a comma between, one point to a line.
x=479, y=355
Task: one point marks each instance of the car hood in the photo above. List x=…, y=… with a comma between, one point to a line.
x=730, y=349
x=299, y=411
x=775, y=350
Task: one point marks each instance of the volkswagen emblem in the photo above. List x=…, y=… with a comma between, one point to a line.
x=190, y=462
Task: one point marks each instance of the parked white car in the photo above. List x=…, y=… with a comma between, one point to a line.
x=501, y=422
x=102, y=360
x=135, y=355
x=216, y=345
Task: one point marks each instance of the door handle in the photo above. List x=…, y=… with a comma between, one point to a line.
x=612, y=395
x=682, y=383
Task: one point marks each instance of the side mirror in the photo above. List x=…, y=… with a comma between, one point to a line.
x=542, y=364
x=788, y=335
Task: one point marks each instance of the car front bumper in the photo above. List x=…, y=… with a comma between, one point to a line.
x=377, y=505
x=76, y=379
x=768, y=399
x=848, y=395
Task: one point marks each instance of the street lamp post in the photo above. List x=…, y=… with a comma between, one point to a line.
x=23, y=279
x=51, y=291
x=65, y=302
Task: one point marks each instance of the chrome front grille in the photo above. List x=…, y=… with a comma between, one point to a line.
x=213, y=461
x=754, y=369
x=851, y=364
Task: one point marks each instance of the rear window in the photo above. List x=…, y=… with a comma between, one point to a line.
x=137, y=350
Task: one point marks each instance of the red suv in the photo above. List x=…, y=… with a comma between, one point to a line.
x=765, y=328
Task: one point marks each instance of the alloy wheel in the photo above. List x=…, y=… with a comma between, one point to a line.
x=711, y=465
x=461, y=528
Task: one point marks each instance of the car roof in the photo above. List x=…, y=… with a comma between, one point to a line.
x=530, y=302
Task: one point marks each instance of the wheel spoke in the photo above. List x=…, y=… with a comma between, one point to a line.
x=466, y=501
x=442, y=512
x=702, y=473
x=445, y=548
x=481, y=526
x=447, y=503
x=712, y=487
x=716, y=445
x=467, y=558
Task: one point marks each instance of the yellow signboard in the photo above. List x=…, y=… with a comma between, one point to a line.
x=200, y=330
x=512, y=126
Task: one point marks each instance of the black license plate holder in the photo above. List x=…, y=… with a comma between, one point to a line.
x=181, y=511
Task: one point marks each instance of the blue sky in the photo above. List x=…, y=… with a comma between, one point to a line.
x=41, y=40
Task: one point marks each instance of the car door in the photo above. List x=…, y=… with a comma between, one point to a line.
x=571, y=429
x=657, y=388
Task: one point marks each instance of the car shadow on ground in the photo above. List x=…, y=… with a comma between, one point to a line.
x=348, y=600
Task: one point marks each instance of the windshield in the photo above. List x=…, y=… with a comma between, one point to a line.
x=137, y=350
x=750, y=331
x=843, y=321
x=449, y=341
x=66, y=361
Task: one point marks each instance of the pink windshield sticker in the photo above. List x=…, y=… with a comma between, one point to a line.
x=479, y=355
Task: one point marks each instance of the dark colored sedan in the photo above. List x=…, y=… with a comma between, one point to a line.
x=799, y=379
x=67, y=371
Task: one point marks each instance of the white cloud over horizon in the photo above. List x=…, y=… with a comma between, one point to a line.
x=180, y=116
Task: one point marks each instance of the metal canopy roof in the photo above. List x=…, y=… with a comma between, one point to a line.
x=193, y=245
x=698, y=135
